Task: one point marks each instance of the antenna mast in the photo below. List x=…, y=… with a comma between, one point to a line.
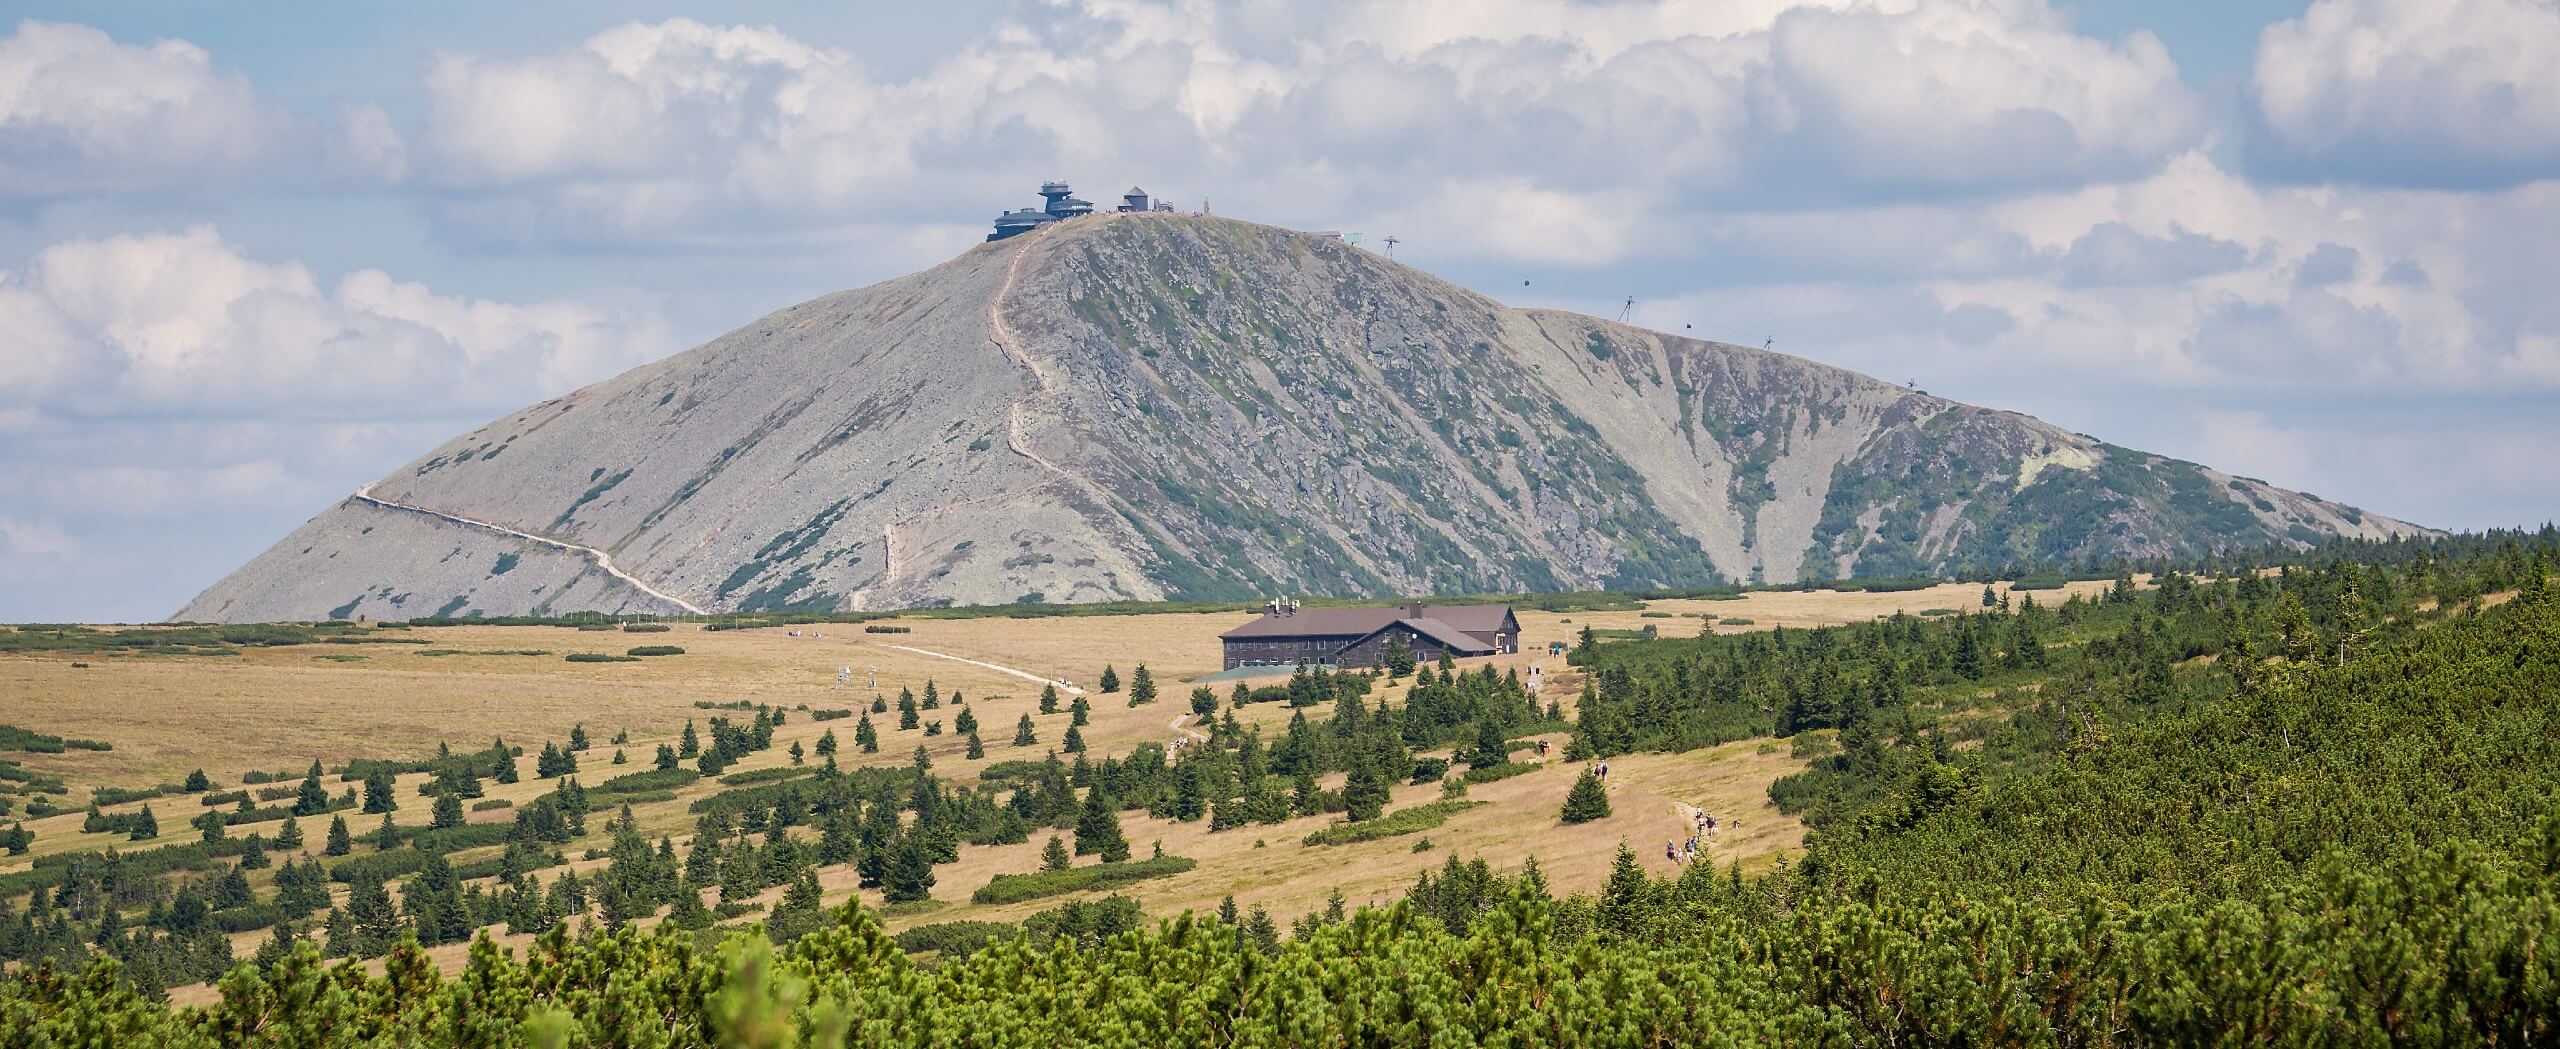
x=1627, y=310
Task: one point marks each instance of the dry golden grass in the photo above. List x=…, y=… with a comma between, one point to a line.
x=280, y=708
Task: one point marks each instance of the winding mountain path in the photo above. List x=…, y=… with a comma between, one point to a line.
x=1001, y=334
x=603, y=560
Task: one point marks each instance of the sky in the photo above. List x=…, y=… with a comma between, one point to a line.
x=254, y=256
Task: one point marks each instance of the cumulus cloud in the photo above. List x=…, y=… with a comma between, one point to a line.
x=184, y=324
x=1359, y=111
x=2456, y=93
x=81, y=113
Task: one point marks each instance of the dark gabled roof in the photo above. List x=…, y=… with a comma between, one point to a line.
x=1474, y=619
x=1319, y=622
x=1361, y=622
x=1448, y=636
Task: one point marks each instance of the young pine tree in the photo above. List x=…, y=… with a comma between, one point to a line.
x=1203, y=701
x=1098, y=829
x=1023, y=733
x=339, y=842
x=448, y=810
x=667, y=758
x=827, y=744
x=198, y=782
x=690, y=744
x=1110, y=679
x=1075, y=740
x=866, y=737
x=312, y=799
x=1142, y=687
x=1053, y=856
x=1048, y=699
x=976, y=749
x=908, y=877
x=145, y=826
x=798, y=756
x=1079, y=712
x=1587, y=801
x=289, y=837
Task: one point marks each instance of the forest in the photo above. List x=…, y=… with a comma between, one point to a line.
x=2313, y=804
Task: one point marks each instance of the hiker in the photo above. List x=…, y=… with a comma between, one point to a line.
x=1670, y=851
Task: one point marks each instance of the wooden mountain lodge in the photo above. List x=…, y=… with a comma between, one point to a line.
x=1288, y=636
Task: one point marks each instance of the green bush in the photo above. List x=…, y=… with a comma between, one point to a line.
x=1014, y=888
x=645, y=628
x=653, y=779
x=600, y=657
x=655, y=650
x=1402, y=821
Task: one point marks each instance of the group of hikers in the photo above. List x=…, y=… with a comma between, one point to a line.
x=1685, y=851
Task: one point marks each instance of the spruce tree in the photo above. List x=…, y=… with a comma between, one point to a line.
x=1048, y=699
x=1588, y=800
x=1079, y=712
x=1364, y=794
x=1024, y=734
x=932, y=695
x=1240, y=696
x=214, y=825
x=289, y=837
x=923, y=761
x=798, y=756
x=1053, y=856
x=198, y=782
x=145, y=826
x=667, y=758
x=827, y=744
x=1142, y=687
x=690, y=744
x=387, y=836
x=619, y=758
x=1491, y=748
x=906, y=711
x=976, y=748
x=866, y=737
x=378, y=794
x=1075, y=740
x=312, y=799
x=448, y=810
x=1098, y=829
x=1626, y=901
x=339, y=842
x=799, y=913
x=1110, y=679
x=1203, y=701
x=578, y=736
x=909, y=875
x=253, y=853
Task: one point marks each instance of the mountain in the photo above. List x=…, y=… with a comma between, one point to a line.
x=1164, y=406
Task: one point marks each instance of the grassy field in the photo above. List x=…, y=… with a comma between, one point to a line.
x=279, y=708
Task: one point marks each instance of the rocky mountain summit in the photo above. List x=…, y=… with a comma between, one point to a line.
x=1170, y=406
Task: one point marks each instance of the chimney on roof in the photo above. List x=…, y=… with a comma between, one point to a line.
x=1413, y=609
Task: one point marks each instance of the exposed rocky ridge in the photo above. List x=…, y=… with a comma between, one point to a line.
x=1151, y=406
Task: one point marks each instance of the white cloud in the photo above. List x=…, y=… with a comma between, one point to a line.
x=80, y=112
x=185, y=325
x=1359, y=111
x=35, y=539
x=2411, y=92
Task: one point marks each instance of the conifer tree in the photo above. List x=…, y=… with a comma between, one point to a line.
x=1074, y=743
x=378, y=794
x=1053, y=856
x=1079, y=712
x=289, y=837
x=312, y=799
x=798, y=914
x=145, y=826
x=339, y=842
x=1048, y=699
x=1203, y=701
x=976, y=748
x=667, y=758
x=387, y=836
x=689, y=744
x=866, y=737
x=827, y=744
x=1098, y=829
x=1588, y=800
x=1142, y=687
x=1240, y=696
x=923, y=761
x=1491, y=748
x=1626, y=901
x=1110, y=679
x=966, y=723
x=798, y=756
x=1024, y=733
x=213, y=825
x=909, y=875
x=1364, y=794
x=619, y=758
x=253, y=853
x=448, y=810
x=198, y=782
x=906, y=711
